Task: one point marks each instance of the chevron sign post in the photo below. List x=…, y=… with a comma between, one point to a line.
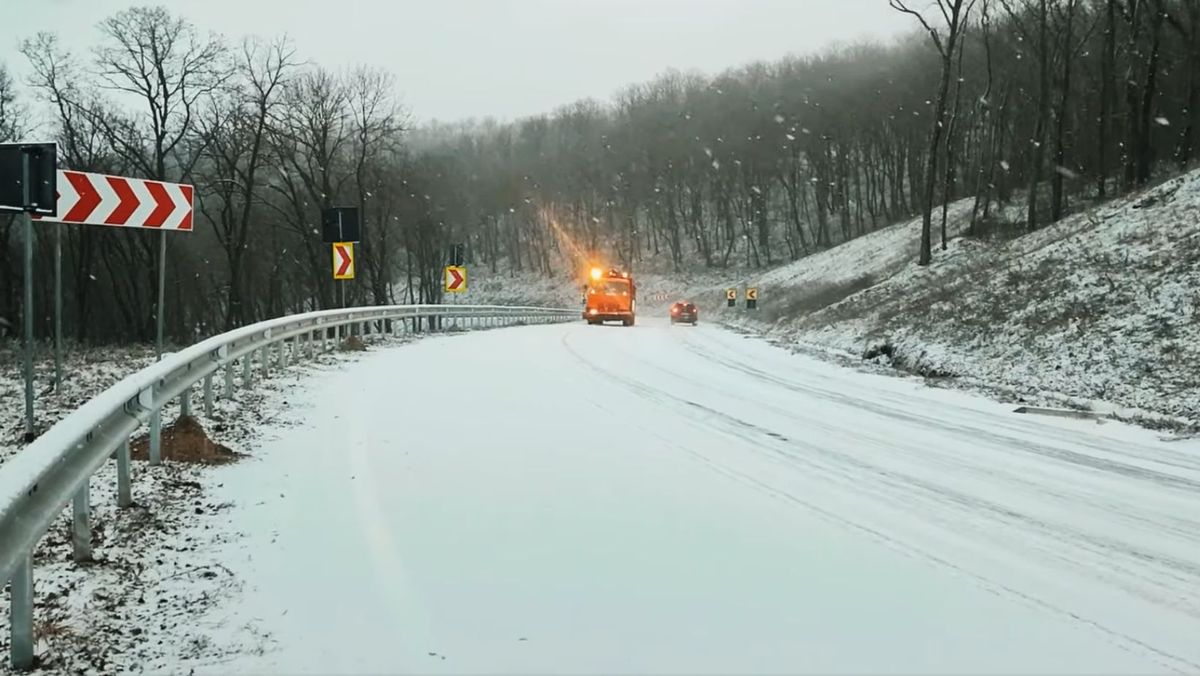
x=100, y=199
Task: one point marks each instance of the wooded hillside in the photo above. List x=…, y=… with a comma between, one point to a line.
x=1046, y=104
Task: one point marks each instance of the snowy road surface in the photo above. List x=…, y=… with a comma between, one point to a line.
x=675, y=499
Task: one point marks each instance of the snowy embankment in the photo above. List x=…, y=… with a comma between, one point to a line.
x=1095, y=312
x=155, y=564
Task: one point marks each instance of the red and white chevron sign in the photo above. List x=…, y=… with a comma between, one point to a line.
x=100, y=199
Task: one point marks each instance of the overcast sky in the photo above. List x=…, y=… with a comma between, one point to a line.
x=503, y=58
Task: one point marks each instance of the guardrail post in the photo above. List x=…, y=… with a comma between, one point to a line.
x=185, y=401
x=282, y=354
x=312, y=345
x=228, y=394
x=264, y=358
x=156, y=437
x=81, y=526
x=20, y=614
x=247, y=370
x=124, y=493
x=208, y=396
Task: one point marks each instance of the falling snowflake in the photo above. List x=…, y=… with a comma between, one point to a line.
x=1065, y=172
x=778, y=119
x=716, y=164
x=756, y=190
x=791, y=138
x=708, y=151
x=1162, y=121
x=1004, y=165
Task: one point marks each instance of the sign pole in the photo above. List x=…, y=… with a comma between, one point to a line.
x=27, y=226
x=162, y=292
x=341, y=288
x=58, y=307
x=28, y=312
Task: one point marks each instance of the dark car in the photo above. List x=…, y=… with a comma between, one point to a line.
x=684, y=312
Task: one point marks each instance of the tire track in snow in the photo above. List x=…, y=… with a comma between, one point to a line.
x=848, y=473
x=1123, y=561
x=1188, y=485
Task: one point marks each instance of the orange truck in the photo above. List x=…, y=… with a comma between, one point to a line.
x=609, y=296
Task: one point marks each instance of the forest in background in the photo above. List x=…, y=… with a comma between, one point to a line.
x=1041, y=105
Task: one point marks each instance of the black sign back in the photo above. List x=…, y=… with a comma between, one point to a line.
x=43, y=178
x=340, y=224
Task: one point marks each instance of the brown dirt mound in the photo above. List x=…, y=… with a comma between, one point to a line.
x=353, y=344
x=185, y=441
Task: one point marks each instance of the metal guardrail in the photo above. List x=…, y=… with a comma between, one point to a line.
x=37, y=483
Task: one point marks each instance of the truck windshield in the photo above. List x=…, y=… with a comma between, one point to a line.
x=611, y=287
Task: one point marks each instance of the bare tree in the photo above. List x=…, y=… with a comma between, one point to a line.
x=234, y=127
x=1188, y=29
x=165, y=62
x=1069, y=48
x=1039, y=37
x=955, y=16
x=12, y=126
x=378, y=122
x=12, y=113
x=1107, y=93
x=311, y=135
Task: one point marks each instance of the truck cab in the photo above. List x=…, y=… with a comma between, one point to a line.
x=610, y=296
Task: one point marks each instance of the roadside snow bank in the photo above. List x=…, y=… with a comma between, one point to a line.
x=157, y=565
x=1097, y=311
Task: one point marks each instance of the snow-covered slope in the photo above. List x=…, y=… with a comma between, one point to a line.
x=815, y=281
x=1099, y=308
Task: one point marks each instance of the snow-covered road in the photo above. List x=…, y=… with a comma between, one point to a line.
x=675, y=499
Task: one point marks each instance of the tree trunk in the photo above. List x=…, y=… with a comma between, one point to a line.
x=1145, y=150
x=1037, y=162
x=1107, y=94
x=1057, y=198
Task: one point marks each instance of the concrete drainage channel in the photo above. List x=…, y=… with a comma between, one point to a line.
x=38, y=483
